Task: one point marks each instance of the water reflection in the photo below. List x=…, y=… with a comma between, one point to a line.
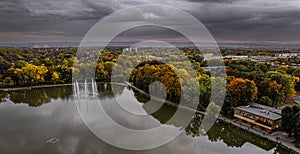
x=229, y=134
x=25, y=129
x=3, y=96
x=38, y=97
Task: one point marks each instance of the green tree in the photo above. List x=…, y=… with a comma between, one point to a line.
x=286, y=80
x=291, y=120
x=212, y=111
x=205, y=90
x=19, y=64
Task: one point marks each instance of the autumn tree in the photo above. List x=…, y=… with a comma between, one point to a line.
x=166, y=74
x=242, y=91
x=28, y=74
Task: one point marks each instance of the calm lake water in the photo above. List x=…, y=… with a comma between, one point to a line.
x=29, y=118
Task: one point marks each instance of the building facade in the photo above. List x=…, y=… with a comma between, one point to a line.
x=260, y=116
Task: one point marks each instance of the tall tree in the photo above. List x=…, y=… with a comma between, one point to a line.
x=291, y=120
x=242, y=91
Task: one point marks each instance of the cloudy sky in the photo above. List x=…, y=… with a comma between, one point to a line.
x=227, y=20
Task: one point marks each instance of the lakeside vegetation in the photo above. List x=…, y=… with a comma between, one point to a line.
x=247, y=81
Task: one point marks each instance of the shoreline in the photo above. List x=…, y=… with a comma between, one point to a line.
x=9, y=89
x=33, y=87
x=272, y=137
x=245, y=127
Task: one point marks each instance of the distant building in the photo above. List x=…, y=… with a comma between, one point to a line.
x=260, y=116
x=130, y=49
x=262, y=58
x=232, y=57
x=286, y=55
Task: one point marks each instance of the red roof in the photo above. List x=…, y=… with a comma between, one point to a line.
x=289, y=101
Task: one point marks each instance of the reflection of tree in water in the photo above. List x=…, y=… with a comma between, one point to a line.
x=283, y=150
x=63, y=93
x=143, y=98
x=236, y=137
x=193, y=129
x=118, y=89
x=33, y=98
x=166, y=113
x=102, y=88
x=38, y=97
x=3, y=95
x=106, y=91
x=231, y=135
x=163, y=114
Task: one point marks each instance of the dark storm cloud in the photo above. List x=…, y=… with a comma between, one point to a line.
x=68, y=10
x=226, y=19
x=252, y=20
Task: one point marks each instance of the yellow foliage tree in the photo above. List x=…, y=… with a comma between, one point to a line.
x=55, y=77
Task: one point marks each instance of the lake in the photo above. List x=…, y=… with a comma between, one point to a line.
x=28, y=119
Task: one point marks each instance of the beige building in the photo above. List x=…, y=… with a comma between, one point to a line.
x=260, y=116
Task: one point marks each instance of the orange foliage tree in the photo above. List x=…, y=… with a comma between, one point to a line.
x=242, y=91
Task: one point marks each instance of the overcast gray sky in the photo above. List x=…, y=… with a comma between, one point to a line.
x=227, y=20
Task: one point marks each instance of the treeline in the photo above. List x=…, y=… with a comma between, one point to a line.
x=247, y=81
x=48, y=66
x=251, y=81
x=24, y=67
x=42, y=71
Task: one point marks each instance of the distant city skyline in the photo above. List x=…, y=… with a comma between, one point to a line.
x=229, y=21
